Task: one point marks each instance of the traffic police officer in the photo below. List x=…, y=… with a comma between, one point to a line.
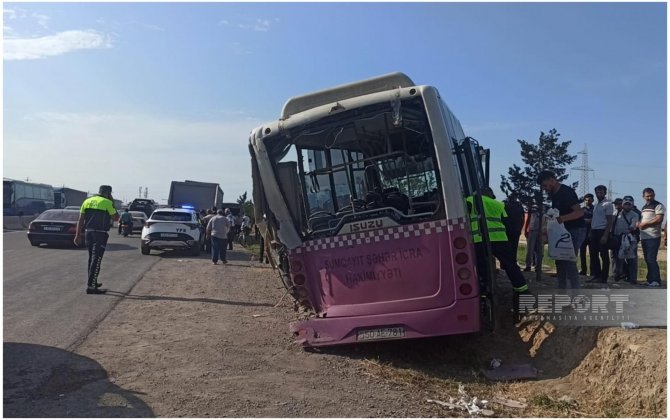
x=95, y=218
x=500, y=247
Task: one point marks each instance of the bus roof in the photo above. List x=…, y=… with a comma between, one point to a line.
x=25, y=182
x=382, y=83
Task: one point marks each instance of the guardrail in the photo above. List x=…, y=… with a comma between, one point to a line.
x=16, y=222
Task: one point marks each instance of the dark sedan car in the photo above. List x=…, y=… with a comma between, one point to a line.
x=54, y=227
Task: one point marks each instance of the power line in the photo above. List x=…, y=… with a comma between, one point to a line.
x=610, y=192
x=634, y=181
x=585, y=170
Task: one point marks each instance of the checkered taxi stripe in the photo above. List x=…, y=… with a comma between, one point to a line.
x=379, y=235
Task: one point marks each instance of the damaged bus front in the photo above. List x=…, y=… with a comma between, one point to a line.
x=361, y=192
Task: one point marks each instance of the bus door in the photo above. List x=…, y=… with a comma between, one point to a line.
x=473, y=164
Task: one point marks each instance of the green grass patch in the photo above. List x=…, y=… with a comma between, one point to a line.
x=549, y=265
x=546, y=402
x=254, y=249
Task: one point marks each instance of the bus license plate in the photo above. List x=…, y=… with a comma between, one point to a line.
x=54, y=228
x=169, y=235
x=380, y=333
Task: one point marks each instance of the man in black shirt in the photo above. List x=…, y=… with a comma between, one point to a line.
x=571, y=215
x=513, y=222
x=588, y=215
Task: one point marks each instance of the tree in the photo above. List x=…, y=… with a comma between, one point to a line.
x=548, y=154
x=246, y=206
x=242, y=199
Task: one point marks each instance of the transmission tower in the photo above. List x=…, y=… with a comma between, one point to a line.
x=610, y=192
x=586, y=172
x=146, y=192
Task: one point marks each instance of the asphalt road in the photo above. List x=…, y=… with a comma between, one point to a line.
x=44, y=295
x=47, y=314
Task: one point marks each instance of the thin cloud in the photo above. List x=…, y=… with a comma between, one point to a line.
x=148, y=26
x=69, y=117
x=42, y=20
x=260, y=25
x=240, y=49
x=51, y=138
x=152, y=27
x=53, y=45
x=14, y=13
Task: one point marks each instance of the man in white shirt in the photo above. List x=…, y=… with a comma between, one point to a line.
x=601, y=226
x=217, y=232
x=650, y=235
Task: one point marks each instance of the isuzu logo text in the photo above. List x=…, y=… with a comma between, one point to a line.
x=367, y=225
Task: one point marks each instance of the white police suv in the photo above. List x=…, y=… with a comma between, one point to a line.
x=172, y=228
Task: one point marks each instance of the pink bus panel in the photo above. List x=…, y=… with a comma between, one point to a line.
x=386, y=272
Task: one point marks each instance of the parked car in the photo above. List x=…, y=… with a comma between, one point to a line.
x=172, y=228
x=57, y=226
x=138, y=220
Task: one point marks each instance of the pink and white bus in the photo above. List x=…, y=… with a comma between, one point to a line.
x=361, y=189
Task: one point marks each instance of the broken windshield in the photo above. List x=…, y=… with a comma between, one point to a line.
x=375, y=157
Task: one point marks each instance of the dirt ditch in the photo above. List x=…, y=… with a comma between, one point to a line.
x=194, y=339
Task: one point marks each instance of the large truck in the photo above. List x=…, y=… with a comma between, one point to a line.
x=64, y=197
x=199, y=195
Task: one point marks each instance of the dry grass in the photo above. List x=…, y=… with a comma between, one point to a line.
x=538, y=405
x=434, y=369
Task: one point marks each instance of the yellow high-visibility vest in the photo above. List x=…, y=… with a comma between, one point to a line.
x=494, y=211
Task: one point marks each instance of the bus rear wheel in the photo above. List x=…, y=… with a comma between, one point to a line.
x=145, y=250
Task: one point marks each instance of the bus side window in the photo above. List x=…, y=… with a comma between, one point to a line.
x=20, y=191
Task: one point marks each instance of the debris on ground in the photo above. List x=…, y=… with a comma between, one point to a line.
x=473, y=405
x=509, y=402
x=495, y=363
x=568, y=400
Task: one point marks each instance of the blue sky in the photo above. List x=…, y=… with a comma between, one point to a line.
x=142, y=94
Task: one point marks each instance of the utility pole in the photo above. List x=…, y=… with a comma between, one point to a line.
x=139, y=194
x=146, y=192
x=584, y=168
